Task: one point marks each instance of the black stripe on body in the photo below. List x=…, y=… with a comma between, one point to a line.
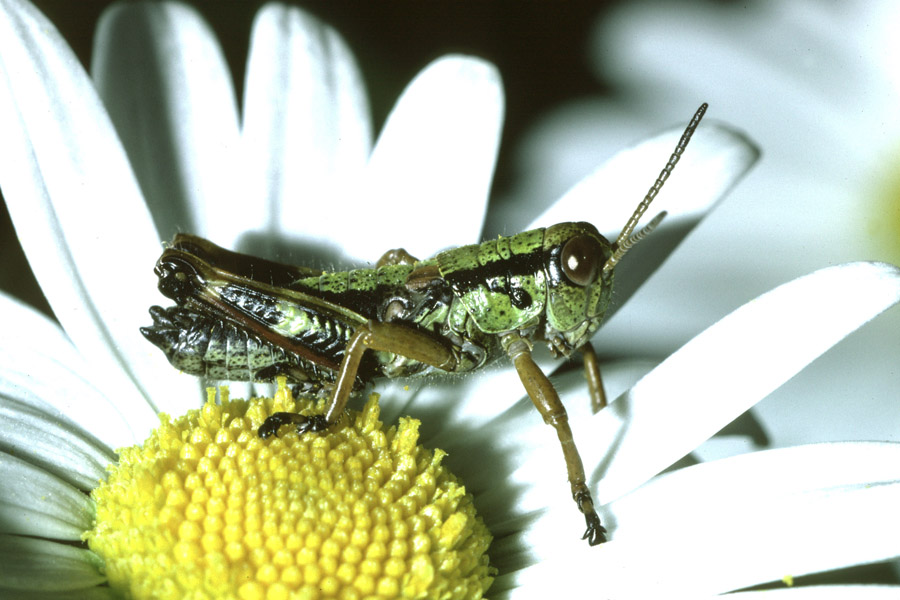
x=502, y=275
x=362, y=302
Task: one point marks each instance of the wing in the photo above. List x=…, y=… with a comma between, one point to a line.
x=249, y=293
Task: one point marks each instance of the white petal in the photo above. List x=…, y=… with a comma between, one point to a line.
x=729, y=367
x=744, y=521
x=716, y=158
x=673, y=501
x=824, y=592
x=748, y=62
x=40, y=368
x=428, y=180
x=306, y=132
x=167, y=87
x=74, y=201
x=32, y=564
x=53, y=443
x=38, y=504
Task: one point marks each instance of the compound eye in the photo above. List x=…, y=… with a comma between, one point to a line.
x=580, y=259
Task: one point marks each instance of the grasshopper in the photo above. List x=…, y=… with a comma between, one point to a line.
x=247, y=319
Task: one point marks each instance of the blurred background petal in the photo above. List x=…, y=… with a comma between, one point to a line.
x=816, y=85
x=307, y=131
x=166, y=85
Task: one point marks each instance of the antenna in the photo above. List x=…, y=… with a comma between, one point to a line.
x=626, y=240
x=644, y=232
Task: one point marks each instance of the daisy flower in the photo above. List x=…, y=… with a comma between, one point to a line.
x=90, y=210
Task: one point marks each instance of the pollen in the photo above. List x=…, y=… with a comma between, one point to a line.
x=206, y=509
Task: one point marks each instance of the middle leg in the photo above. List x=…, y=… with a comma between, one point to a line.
x=594, y=380
x=374, y=335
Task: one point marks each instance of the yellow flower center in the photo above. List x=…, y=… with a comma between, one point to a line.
x=207, y=509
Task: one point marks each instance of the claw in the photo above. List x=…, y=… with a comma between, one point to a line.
x=595, y=532
x=271, y=425
x=313, y=423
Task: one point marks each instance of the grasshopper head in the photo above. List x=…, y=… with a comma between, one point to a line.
x=579, y=264
x=578, y=287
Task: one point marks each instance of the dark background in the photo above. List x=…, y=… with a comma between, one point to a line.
x=540, y=49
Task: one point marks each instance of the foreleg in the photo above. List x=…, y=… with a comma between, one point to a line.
x=547, y=401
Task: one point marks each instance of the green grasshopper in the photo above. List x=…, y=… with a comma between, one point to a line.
x=248, y=319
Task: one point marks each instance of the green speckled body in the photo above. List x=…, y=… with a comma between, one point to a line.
x=500, y=282
x=382, y=294
x=517, y=283
x=297, y=322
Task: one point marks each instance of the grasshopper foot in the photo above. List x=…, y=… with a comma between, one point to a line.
x=271, y=425
x=595, y=532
